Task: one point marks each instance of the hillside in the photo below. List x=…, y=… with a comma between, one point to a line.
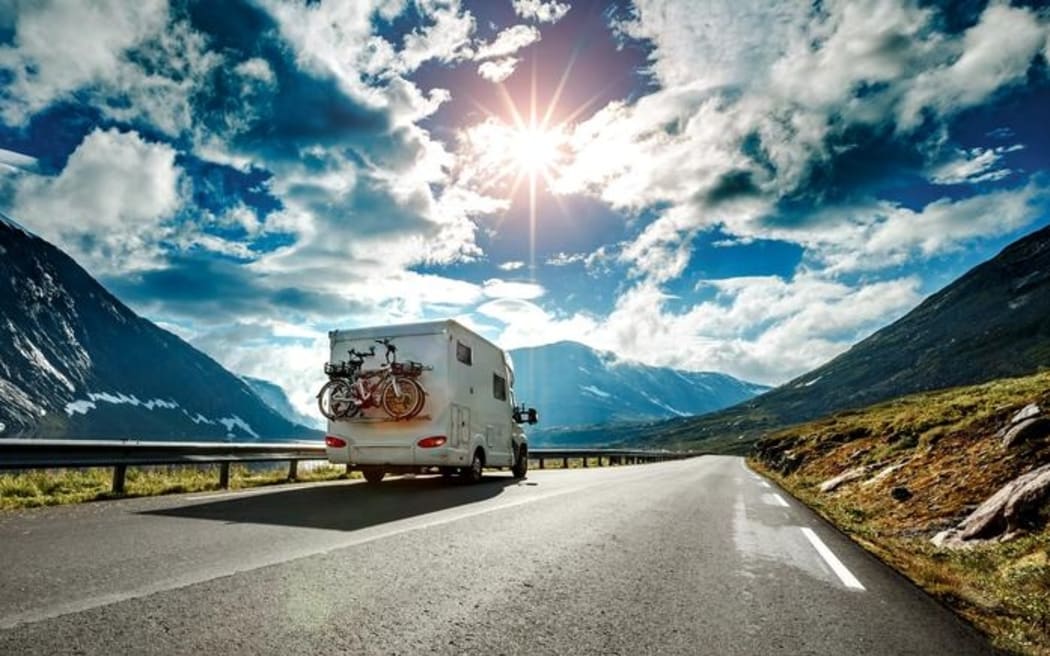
x=76, y=362
x=895, y=475
x=574, y=385
x=992, y=322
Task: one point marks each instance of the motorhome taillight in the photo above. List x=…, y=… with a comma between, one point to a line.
x=334, y=442
x=432, y=441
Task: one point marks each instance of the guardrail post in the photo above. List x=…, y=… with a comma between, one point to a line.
x=349, y=468
x=541, y=463
x=599, y=461
x=293, y=470
x=585, y=461
x=224, y=475
x=119, y=474
x=564, y=463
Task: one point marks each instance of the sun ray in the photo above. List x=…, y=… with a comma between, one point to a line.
x=553, y=104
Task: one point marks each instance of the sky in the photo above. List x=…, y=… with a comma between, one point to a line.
x=746, y=187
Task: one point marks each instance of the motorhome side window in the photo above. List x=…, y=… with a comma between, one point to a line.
x=464, y=354
x=499, y=387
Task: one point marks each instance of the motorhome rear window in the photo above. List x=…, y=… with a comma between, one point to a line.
x=499, y=387
x=464, y=354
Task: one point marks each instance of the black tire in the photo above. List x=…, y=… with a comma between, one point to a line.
x=373, y=475
x=521, y=462
x=475, y=471
x=334, y=400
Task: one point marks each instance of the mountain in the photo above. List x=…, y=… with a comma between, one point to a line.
x=273, y=396
x=991, y=323
x=76, y=362
x=573, y=385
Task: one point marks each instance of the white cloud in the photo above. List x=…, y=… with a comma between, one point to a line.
x=995, y=53
x=337, y=38
x=544, y=11
x=972, y=166
x=511, y=265
x=60, y=46
x=257, y=69
x=723, y=143
x=523, y=323
x=764, y=329
x=128, y=61
x=508, y=42
x=264, y=350
x=565, y=259
x=496, y=288
x=110, y=205
x=499, y=69
x=879, y=235
x=447, y=40
x=737, y=40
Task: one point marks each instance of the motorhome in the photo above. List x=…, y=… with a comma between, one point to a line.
x=431, y=396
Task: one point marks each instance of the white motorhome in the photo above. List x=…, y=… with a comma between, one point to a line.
x=465, y=420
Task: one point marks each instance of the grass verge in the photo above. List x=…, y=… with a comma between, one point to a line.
x=50, y=487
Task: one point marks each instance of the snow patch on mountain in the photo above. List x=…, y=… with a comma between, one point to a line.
x=34, y=355
x=230, y=422
x=82, y=406
x=660, y=404
x=595, y=391
x=198, y=418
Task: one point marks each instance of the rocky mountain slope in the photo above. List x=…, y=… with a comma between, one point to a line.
x=992, y=322
x=76, y=362
x=575, y=385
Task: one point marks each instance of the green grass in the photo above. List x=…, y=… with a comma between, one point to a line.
x=50, y=487
x=954, y=461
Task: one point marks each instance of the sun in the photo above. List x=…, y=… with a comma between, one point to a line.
x=535, y=149
x=528, y=148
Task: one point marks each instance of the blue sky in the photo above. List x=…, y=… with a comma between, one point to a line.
x=744, y=186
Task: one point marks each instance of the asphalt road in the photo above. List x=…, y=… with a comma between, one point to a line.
x=691, y=557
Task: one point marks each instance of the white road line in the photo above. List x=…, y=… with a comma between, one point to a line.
x=780, y=500
x=832, y=560
x=764, y=484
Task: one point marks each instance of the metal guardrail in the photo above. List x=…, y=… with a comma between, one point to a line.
x=121, y=454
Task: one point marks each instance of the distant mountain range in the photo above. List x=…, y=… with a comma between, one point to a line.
x=275, y=397
x=573, y=385
x=76, y=362
x=993, y=322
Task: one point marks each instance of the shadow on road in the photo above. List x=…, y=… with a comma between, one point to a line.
x=344, y=507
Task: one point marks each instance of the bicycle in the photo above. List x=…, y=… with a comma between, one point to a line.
x=335, y=400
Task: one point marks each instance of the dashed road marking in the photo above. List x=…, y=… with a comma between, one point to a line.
x=832, y=560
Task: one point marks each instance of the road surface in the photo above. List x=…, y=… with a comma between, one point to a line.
x=698, y=556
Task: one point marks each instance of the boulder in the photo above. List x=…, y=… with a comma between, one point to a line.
x=884, y=473
x=1027, y=412
x=1005, y=513
x=1033, y=428
x=845, y=477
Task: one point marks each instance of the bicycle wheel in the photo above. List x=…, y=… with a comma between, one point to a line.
x=406, y=404
x=335, y=400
